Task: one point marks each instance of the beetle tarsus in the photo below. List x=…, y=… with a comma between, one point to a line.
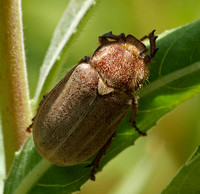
x=29, y=128
x=104, y=38
x=138, y=130
x=96, y=161
x=153, y=49
x=134, y=113
x=152, y=40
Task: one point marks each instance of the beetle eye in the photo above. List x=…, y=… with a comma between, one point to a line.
x=141, y=56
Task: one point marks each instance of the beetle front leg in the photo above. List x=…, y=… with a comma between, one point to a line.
x=104, y=38
x=134, y=113
x=29, y=128
x=152, y=39
x=96, y=161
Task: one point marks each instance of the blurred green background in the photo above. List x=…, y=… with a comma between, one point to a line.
x=148, y=166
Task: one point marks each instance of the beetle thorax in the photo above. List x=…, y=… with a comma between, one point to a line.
x=120, y=66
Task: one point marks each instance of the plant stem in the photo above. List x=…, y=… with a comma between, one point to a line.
x=14, y=95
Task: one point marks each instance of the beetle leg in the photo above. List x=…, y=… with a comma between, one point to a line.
x=85, y=59
x=143, y=38
x=29, y=128
x=104, y=38
x=134, y=113
x=153, y=49
x=152, y=40
x=96, y=161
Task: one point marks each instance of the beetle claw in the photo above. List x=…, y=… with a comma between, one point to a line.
x=153, y=48
x=138, y=130
x=94, y=165
x=134, y=113
x=93, y=171
x=29, y=128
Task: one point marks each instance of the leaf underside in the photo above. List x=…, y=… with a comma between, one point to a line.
x=174, y=78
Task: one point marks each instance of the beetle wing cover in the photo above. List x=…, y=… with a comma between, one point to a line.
x=74, y=121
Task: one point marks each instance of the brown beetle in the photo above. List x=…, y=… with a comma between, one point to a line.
x=80, y=114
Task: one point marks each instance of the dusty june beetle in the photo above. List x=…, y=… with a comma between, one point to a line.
x=79, y=116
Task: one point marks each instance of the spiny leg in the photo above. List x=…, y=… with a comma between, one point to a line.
x=104, y=38
x=96, y=161
x=152, y=40
x=143, y=38
x=134, y=113
x=153, y=49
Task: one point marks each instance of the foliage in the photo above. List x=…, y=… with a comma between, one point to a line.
x=174, y=78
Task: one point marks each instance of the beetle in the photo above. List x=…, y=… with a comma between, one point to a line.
x=79, y=116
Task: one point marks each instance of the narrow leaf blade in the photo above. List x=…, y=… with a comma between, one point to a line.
x=67, y=29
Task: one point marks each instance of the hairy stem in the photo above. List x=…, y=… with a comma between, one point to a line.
x=14, y=95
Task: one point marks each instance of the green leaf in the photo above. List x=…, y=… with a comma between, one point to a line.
x=174, y=78
x=71, y=22
x=187, y=179
x=174, y=74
